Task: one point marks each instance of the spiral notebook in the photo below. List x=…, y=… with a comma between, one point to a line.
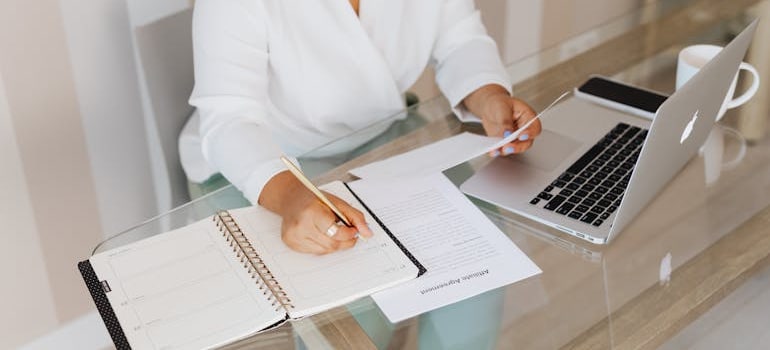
x=230, y=276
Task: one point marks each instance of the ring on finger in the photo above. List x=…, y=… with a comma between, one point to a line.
x=332, y=230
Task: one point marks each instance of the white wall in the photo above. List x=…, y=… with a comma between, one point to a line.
x=75, y=155
x=25, y=297
x=104, y=69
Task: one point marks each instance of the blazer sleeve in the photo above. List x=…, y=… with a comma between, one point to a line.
x=465, y=57
x=231, y=55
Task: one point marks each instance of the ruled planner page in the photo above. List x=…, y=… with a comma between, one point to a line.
x=183, y=289
x=319, y=282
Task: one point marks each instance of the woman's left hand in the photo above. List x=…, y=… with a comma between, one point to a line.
x=501, y=115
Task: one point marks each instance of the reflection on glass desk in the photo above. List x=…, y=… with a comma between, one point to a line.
x=690, y=271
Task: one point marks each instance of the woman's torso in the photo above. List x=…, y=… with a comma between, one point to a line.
x=332, y=72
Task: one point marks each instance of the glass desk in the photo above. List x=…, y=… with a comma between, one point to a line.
x=692, y=271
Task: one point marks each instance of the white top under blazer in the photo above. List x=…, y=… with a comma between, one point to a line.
x=279, y=77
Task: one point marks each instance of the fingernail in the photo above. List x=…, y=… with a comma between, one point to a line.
x=507, y=133
x=517, y=115
x=524, y=137
x=508, y=150
x=494, y=154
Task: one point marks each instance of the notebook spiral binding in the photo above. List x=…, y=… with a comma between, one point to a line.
x=252, y=261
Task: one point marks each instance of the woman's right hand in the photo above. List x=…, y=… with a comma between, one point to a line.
x=307, y=221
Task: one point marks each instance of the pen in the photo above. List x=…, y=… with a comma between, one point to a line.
x=304, y=180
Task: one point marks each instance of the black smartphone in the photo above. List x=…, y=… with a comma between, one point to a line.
x=621, y=96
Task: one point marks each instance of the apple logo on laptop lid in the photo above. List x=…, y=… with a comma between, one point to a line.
x=688, y=129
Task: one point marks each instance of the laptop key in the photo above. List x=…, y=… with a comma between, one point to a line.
x=534, y=201
x=595, y=196
x=611, y=209
x=575, y=215
x=589, y=217
x=620, y=127
x=588, y=187
x=565, y=208
x=597, y=209
x=558, y=183
x=548, y=189
x=574, y=199
x=545, y=195
x=604, y=216
x=631, y=132
x=589, y=202
x=598, y=222
x=565, y=192
x=608, y=183
x=581, y=193
x=610, y=196
x=605, y=203
x=595, y=181
x=617, y=190
x=579, y=180
x=582, y=208
x=554, y=203
x=566, y=177
x=585, y=159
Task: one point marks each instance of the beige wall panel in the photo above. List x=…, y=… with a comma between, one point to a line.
x=42, y=103
x=25, y=297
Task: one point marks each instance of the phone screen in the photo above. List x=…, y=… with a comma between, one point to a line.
x=624, y=94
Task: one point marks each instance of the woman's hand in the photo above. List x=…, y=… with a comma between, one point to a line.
x=307, y=221
x=501, y=115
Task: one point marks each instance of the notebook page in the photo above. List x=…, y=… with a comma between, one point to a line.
x=183, y=289
x=319, y=282
x=464, y=252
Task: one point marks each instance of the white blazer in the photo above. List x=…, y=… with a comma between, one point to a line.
x=287, y=76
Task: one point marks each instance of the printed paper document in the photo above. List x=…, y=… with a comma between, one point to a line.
x=465, y=253
x=440, y=155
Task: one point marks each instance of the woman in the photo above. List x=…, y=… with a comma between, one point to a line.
x=286, y=76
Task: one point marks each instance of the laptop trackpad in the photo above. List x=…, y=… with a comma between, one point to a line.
x=548, y=151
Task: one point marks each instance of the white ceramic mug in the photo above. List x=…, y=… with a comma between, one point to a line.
x=693, y=58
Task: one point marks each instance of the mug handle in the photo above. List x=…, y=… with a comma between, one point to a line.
x=737, y=101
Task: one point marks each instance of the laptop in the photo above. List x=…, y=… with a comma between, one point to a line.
x=593, y=169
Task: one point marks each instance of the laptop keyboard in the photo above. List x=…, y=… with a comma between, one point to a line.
x=591, y=189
